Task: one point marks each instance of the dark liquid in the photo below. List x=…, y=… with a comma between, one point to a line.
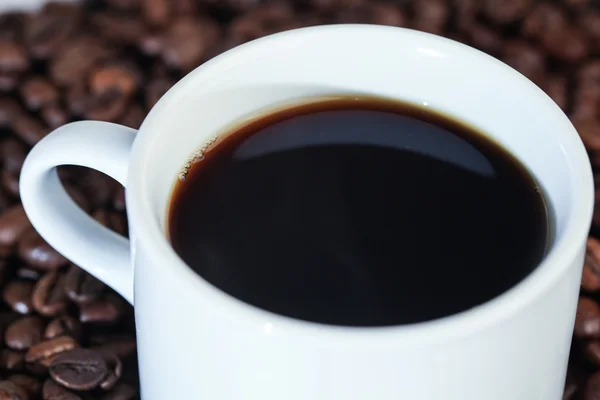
x=359, y=212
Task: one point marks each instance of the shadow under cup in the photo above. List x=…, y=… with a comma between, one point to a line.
x=448, y=77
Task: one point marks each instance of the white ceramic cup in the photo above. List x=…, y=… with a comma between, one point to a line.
x=195, y=342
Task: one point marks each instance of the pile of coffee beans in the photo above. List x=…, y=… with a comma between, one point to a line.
x=65, y=335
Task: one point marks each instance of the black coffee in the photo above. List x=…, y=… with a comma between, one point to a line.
x=359, y=212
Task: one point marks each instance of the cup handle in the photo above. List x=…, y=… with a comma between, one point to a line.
x=99, y=145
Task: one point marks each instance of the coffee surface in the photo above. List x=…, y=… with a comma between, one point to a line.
x=359, y=212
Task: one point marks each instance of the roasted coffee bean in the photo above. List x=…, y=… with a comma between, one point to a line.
x=590, y=279
x=119, y=199
x=6, y=318
x=47, y=31
x=585, y=98
x=36, y=252
x=10, y=183
x=98, y=188
x=39, y=369
x=69, y=174
x=272, y=18
x=388, y=14
x=114, y=370
x=4, y=252
x=465, y=13
x=156, y=89
x=151, y=44
x=121, y=392
x=78, y=197
x=9, y=81
x=13, y=225
x=31, y=385
x=11, y=360
x=82, y=287
x=119, y=27
x=187, y=42
x=53, y=391
x=28, y=273
x=76, y=59
x=592, y=351
x=133, y=117
x=112, y=220
x=4, y=267
x=568, y=45
x=13, y=56
x=545, y=19
x=17, y=295
x=384, y=13
x=63, y=326
x=77, y=99
x=54, y=116
x=275, y=17
x=271, y=12
x=121, y=346
x=38, y=92
x=183, y=7
x=484, y=38
x=556, y=87
x=589, y=132
x=589, y=22
x=505, y=11
x=79, y=369
x=159, y=70
x=571, y=388
x=156, y=12
x=49, y=298
x=106, y=106
x=247, y=5
x=116, y=77
x=11, y=25
x=47, y=349
x=10, y=391
x=13, y=154
x=24, y=333
x=586, y=103
x=247, y=27
x=124, y=4
x=576, y=3
x=587, y=322
x=589, y=73
x=592, y=387
x=107, y=310
x=9, y=108
x=525, y=58
x=431, y=15
x=5, y=203
x=29, y=129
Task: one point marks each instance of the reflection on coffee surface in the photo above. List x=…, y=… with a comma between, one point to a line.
x=359, y=212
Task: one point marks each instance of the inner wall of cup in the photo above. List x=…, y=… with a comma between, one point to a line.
x=462, y=84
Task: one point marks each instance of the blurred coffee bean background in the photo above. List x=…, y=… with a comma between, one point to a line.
x=64, y=335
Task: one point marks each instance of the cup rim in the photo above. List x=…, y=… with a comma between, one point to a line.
x=552, y=268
